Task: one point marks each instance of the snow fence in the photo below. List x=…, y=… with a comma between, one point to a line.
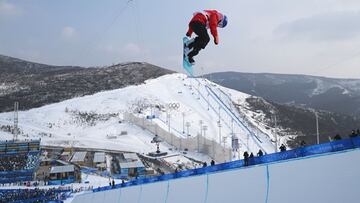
x=199, y=143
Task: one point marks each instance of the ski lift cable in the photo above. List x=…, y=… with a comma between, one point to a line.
x=334, y=65
x=138, y=27
x=100, y=36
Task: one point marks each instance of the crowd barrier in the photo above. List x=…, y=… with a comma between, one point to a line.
x=313, y=150
x=61, y=182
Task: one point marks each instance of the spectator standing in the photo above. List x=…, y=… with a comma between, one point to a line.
x=337, y=137
x=353, y=134
x=246, y=158
x=260, y=153
x=212, y=162
x=302, y=143
x=251, y=155
x=282, y=148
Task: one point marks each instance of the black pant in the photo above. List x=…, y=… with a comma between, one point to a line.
x=201, y=40
x=246, y=161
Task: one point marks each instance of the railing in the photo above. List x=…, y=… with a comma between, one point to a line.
x=63, y=181
x=302, y=152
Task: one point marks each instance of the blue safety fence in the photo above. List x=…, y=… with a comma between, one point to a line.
x=62, y=182
x=88, y=170
x=334, y=146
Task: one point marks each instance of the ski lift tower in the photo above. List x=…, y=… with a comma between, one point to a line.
x=16, y=120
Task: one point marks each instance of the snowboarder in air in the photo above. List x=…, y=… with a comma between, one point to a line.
x=201, y=21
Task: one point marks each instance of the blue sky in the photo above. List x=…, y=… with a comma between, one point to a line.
x=301, y=37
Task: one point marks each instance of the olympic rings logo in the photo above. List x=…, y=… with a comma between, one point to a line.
x=173, y=105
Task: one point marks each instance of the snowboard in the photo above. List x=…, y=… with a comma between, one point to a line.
x=186, y=64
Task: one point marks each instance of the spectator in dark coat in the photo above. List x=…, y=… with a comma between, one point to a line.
x=282, y=148
x=212, y=162
x=204, y=164
x=246, y=158
x=260, y=153
x=302, y=143
x=251, y=155
x=353, y=134
x=337, y=137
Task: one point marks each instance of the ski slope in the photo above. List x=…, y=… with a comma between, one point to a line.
x=330, y=178
x=197, y=100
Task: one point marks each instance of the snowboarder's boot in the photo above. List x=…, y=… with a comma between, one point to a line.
x=187, y=50
x=189, y=43
x=191, y=60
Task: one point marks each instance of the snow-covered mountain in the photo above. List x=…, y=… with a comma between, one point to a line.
x=330, y=94
x=179, y=105
x=34, y=84
x=98, y=120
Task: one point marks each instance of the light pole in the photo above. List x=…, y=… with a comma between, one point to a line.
x=183, y=117
x=198, y=137
x=219, y=114
x=204, y=129
x=208, y=103
x=276, y=136
x=151, y=113
x=200, y=123
x=171, y=106
x=168, y=120
x=317, y=128
x=232, y=126
x=219, y=125
x=187, y=128
x=16, y=120
x=224, y=141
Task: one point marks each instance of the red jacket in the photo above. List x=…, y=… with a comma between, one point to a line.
x=210, y=18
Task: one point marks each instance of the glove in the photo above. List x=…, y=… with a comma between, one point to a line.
x=216, y=40
x=188, y=34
